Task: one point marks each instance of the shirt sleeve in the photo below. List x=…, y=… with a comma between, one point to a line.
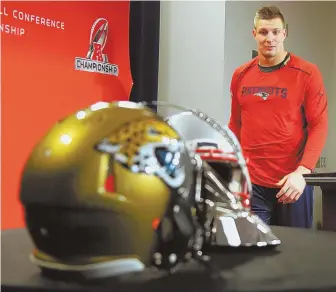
x=316, y=111
x=235, y=116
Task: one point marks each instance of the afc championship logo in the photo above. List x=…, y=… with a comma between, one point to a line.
x=96, y=60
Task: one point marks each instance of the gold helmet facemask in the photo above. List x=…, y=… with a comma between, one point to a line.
x=109, y=190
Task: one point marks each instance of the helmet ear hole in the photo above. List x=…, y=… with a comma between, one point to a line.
x=110, y=179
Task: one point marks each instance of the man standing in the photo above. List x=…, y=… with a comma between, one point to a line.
x=279, y=115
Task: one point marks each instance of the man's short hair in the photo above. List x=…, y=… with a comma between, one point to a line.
x=268, y=13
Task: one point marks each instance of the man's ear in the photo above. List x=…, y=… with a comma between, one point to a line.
x=254, y=33
x=285, y=32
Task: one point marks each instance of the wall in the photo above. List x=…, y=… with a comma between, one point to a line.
x=331, y=144
x=39, y=83
x=192, y=54
x=329, y=151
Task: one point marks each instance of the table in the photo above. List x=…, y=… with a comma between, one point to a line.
x=305, y=261
x=327, y=182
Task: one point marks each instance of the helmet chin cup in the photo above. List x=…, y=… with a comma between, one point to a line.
x=246, y=230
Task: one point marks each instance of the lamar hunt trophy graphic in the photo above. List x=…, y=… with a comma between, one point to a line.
x=95, y=60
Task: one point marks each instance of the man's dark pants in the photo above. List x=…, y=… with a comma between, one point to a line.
x=299, y=214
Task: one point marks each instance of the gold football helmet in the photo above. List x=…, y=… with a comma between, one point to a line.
x=108, y=190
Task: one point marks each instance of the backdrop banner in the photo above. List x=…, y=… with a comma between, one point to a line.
x=56, y=58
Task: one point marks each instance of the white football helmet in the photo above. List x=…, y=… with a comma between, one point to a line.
x=223, y=184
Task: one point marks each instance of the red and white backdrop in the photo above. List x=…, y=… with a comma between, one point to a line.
x=56, y=57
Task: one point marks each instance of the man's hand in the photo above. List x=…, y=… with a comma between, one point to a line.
x=292, y=186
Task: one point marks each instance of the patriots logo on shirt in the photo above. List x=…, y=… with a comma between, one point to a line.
x=263, y=95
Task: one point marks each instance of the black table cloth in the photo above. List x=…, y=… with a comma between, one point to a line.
x=305, y=261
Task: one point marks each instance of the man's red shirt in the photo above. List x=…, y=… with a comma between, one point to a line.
x=279, y=117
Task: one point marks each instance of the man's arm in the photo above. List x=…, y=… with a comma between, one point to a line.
x=316, y=110
x=235, y=116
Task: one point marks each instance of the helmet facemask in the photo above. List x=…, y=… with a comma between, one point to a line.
x=223, y=185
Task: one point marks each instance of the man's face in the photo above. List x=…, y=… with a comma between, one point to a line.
x=269, y=35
